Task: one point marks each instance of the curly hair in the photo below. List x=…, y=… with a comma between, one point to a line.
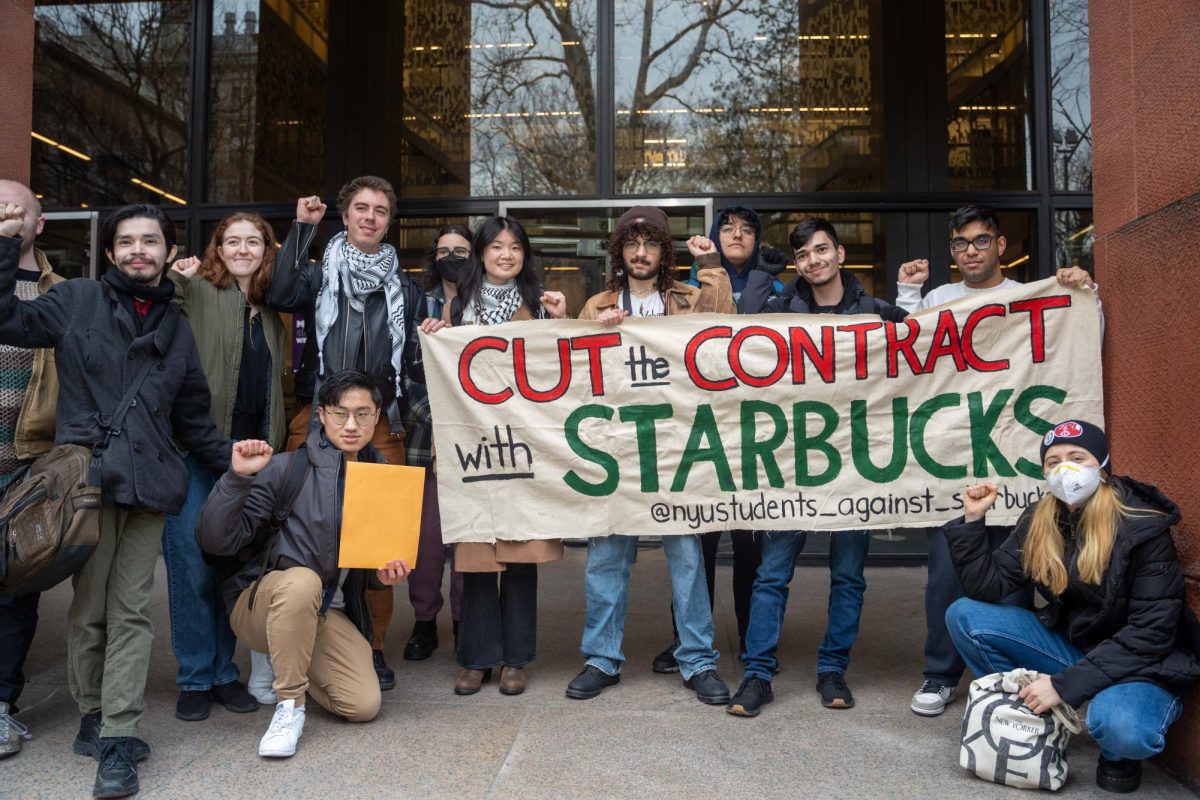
x=213, y=269
x=618, y=279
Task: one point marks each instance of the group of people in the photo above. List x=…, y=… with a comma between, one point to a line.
x=247, y=507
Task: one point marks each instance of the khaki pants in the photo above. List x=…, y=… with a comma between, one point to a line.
x=328, y=658
x=108, y=625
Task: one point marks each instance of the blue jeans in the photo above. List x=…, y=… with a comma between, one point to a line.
x=847, y=556
x=1127, y=720
x=200, y=634
x=606, y=586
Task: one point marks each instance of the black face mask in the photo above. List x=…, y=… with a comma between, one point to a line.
x=450, y=268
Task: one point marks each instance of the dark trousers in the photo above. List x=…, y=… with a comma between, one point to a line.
x=943, y=664
x=18, y=622
x=747, y=555
x=499, y=618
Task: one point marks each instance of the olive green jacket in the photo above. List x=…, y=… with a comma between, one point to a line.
x=34, y=435
x=216, y=316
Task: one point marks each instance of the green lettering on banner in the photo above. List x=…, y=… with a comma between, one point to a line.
x=920, y=419
x=704, y=427
x=754, y=451
x=820, y=442
x=585, y=451
x=1023, y=411
x=982, y=422
x=643, y=418
x=860, y=441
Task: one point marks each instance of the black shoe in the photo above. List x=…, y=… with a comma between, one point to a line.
x=834, y=691
x=192, y=706
x=234, y=697
x=117, y=774
x=590, y=683
x=709, y=687
x=387, y=678
x=87, y=742
x=751, y=696
x=423, y=642
x=1123, y=776
x=664, y=663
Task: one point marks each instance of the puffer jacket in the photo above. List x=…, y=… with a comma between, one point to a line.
x=1134, y=626
x=760, y=297
x=240, y=506
x=34, y=435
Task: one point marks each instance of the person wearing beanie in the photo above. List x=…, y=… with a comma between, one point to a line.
x=642, y=284
x=1114, y=629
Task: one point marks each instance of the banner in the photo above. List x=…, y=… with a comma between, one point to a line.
x=705, y=422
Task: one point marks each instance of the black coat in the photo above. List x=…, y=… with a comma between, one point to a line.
x=1134, y=626
x=98, y=353
x=759, y=297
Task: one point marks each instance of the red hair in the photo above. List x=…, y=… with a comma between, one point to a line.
x=213, y=269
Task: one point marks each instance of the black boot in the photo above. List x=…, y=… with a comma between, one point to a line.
x=387, y=678
x=1122, y=776
x=117, y=774
x=423, y=642
x=87, y=741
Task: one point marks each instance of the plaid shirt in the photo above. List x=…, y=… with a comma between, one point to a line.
x=418, y=445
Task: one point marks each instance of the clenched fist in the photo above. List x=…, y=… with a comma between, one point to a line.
x=187, y=267
x=12, y=219
x=700, y=245
x=916, y=271
x=310, y=210
x=978, y=500
x=250, y=456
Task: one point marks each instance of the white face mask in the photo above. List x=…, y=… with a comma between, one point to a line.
x=1073, y=483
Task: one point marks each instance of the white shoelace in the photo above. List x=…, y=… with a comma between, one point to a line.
x=281, y=722
x=7, y=720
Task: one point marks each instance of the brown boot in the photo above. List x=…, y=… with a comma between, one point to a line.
x=469, y=680
x=512, y=680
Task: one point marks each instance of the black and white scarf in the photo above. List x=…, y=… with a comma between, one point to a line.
x=361, y=273
x=495, y=305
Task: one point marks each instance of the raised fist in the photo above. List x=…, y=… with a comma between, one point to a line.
x=915, y=272
x=250, y=456
x=310, y=210
x=700, y=245
x=978, y=500
x=187, y=267
x=12, y=219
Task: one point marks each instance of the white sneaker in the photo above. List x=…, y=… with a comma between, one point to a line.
x=932, y=698
x=262, y=678
x=284, y=732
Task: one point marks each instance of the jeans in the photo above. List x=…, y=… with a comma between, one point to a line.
x=943, y=665
x=1127, y=720
x=606, y=587
x=18, y=622
x=747, y=555
x=847, y=557
x=201, y=637
x=498, y=626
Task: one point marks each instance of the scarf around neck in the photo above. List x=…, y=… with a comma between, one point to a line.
x=359, y=273
x=494, y=305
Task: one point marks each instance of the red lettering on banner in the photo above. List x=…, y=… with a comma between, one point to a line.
x=781, y=356
x=521, y=373
x=897, y=346
x=689, y=359
x=945, y=343
x=968, y=347
x=823, y=360
x=1036, y=308
x=464, y=370
x=860, y=331
x=593, y=344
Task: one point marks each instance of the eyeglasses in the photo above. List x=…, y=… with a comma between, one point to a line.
x=341, y=416
x=632, y=246
x=730, y=230
x=982, y=242
x=461, y=252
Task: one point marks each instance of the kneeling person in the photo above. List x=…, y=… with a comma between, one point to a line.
x=295, y=603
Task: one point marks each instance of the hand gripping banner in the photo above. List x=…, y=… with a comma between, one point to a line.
x=705, y=422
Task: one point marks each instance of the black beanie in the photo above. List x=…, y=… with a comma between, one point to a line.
x=1083, y=434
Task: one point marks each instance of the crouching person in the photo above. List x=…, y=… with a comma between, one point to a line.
x=291, y=600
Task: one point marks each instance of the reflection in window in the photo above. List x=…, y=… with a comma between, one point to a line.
x=110, y=102
x=267, y=99
x=499, y=98
x=987, y=75
x=1073, y=239
x=1071, y=95
x=746, y=95
x=860, y=232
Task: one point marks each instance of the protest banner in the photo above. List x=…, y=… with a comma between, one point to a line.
x=774, y=422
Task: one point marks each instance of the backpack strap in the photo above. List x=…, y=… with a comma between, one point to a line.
x=294, y=478
x=117, y=421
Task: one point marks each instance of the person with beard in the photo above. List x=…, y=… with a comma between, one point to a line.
x=444, y=264
x=822, y=288
x=643, y=285
x=499, y=607
x=365, y=312
x=114, y=336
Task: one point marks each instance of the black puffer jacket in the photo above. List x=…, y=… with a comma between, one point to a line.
x=1133, y=626
x=797, y=298
x=240, y=506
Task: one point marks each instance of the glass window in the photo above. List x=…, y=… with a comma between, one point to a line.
x=267, y=100
x=499, y=98
x=1071, y=95
x=747, y=96
x=1017, y=261
x=110, y=102
x=1073, y=239
x=987, y=81
x=860, y=232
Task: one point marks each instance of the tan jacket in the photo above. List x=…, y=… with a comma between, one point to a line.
x=34, y=435
x=713, y=295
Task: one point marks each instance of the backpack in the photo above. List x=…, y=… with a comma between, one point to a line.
x=49, y=520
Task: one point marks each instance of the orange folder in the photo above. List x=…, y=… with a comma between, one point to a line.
x=381, y=515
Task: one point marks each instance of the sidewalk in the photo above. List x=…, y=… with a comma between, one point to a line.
x=647, y=737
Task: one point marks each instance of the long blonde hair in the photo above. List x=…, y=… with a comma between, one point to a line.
x=1042, y=556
